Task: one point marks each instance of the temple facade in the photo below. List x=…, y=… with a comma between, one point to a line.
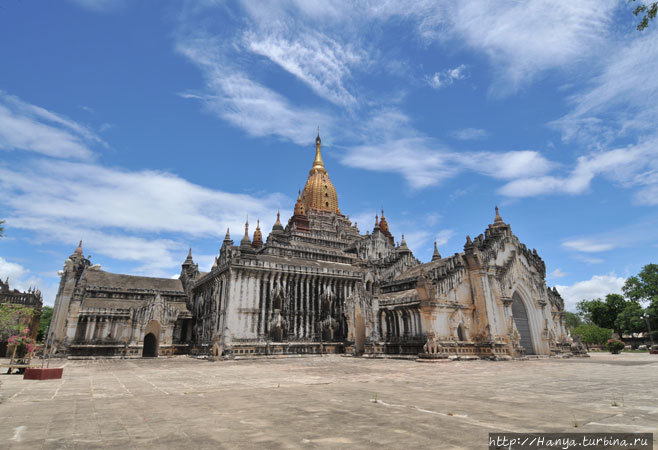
x=317, y=285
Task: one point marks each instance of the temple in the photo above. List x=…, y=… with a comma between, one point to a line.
x=318, y=286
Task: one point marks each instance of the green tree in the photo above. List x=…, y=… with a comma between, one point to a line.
x=643, y=288
x=2, y=229
x=46, y=316
x=603, y=313
x=572, y=320
x=591, y=334
x=630, y=319
x=648, y=12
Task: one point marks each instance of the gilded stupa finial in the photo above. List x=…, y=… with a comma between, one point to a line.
x=318, y=164
x=319, y=193
x=258, y=236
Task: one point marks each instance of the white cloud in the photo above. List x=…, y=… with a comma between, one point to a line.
x=507, y=165
x=398, y=148
x=447, y=77
x=21, y=279
x=11, y=270
x=100, y=5
x=620, y=99
x=557, y=273
x=589, y=260
x=144, y=200
x=589, y=245
x=317, y=60
x=416, y=240
x=412, y=157
x=634, y=165
x=523, y=39
x=116, y=212
x=444, y=236
x=34, y=129
x=235, y=97
x=596, y=287
x=640, y=231
x=470, y=134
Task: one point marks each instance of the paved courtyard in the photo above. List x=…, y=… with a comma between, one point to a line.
x=324, y=402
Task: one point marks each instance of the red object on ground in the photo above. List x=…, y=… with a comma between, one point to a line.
x=43, y=374
x=653, y=352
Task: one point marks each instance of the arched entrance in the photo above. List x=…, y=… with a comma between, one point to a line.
x=359, y=334
x=460, y=333
x=520, y=315
x=150, y=349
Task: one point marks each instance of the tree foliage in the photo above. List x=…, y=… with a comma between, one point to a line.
x=2, y=229
x=572, y=320
x=591, y=334
x=44, y=322
x=603, y=313
x=647, y=11
x=644, y=286
x=630, y=319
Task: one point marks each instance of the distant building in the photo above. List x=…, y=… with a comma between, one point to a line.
x=31, y=299
x=318, y=285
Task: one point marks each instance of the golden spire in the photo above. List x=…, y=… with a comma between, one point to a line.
x=318, y=164
x=319, y=193
x=258, y=236
x=299, y=206
x=383, y=224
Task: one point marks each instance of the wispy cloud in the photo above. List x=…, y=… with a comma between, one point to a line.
x=118, y=211
x=523, y=39
x=620, y=99
x=27, y=127
x=444, y=236
x=447, y=77
x=399, y=148
x=317, y=60
x=101, y=6
x=557, y=273
x=589, y=245
x=470, y=134
x=234, y=96
x=640, y=231
x=634, y=165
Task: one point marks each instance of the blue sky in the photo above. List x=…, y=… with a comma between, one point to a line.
x=145, y=128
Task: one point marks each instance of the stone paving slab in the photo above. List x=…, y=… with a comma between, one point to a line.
x=324, y=402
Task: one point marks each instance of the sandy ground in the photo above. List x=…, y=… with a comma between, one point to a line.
x=324, y=402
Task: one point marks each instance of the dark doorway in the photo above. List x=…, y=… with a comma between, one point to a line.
x=150, y=349
x=520, y=315
x=460, y=333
